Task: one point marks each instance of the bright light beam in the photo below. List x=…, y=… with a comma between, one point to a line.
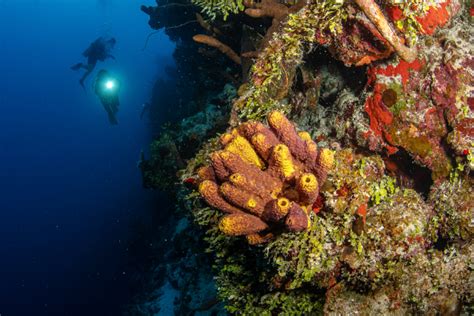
x=109, y=84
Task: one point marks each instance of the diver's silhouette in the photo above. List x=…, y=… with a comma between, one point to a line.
x=107, y=89
x=99, y=50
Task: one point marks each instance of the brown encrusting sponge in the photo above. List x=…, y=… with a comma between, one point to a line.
x=265, y=178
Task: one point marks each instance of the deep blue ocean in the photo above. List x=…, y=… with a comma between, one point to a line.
x=69, y=182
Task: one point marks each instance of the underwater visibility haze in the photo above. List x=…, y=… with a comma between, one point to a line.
x=69, y=180
x=202, y=157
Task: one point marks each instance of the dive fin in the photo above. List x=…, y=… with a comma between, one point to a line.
x=112, y=119
x=77, y=66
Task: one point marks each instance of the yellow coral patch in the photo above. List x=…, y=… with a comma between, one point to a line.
x=251, y=203
x=205, y=186
x=226, y=188
x=274, y=193
x=202, y=172
x=304, y=135
x=327, y=158
x=227, y=225
x=283, y=206
x=259, y=140
x=308, y=183
x=276, y=119
x=283, y=160
x=311, y=146
x=256, y=239
x=237, y=179
x=224, y=155
x=226, y=138
x=241, y=146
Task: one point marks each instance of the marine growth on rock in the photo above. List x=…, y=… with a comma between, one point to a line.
x=383, y=223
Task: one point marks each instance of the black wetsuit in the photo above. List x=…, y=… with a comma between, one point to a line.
x=99, y=50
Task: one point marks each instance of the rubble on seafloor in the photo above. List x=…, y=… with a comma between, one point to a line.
x=387, y=228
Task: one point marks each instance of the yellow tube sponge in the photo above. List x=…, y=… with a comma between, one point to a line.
x=283, y=161
x=308, y=188
x=257, y=239
x=209, y=190
x=243, y=199
x=267, y=177
x=251, y=185
x=241, y=224
x=226, y=138
x=241, y=146
x=263, y=144
x=277, y=120
x=304, y=135
x=297, y=219
x=326, y=158
x=325, y=163
x=276, y=210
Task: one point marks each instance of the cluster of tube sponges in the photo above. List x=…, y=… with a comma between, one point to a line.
x=266, y=179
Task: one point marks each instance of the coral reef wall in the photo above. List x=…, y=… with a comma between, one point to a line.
x=336, y=178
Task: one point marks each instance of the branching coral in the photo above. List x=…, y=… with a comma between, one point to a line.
x=265, y=178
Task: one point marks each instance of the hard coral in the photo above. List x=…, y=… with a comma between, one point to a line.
x=265, y=178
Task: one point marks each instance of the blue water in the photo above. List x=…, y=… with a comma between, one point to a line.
x=69, y=185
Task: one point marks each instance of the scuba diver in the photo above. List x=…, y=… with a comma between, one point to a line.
x=107, y=88
x=97, y=50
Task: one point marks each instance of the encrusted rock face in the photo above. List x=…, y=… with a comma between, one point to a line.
x=420, y=105
x=265, y=178
x=432, y=284
x=372, y=239
x=423, y=107
x=454, y=204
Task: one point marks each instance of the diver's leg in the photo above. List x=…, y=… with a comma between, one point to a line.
x=110, y=114
x=85, y=75
x=112, y=119
x=77, y=66
x=115, y=105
